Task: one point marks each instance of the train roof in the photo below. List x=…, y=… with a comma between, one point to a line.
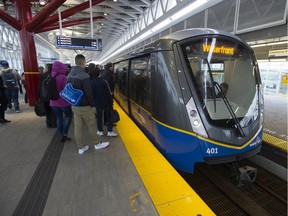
x=166, y=42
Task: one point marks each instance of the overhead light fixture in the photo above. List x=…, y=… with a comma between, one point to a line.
x=277, y=43
x=269, y=44
x=42, y=2
x=105, y=14
x=258, y=45
x=188, y=9
x=278, y=60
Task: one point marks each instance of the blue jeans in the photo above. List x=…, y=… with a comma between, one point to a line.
x=12, y=94
x=64, y=117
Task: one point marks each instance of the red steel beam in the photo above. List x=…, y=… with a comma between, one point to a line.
x=43, y=14
x=67, y=13
x=66, y=24
x=10, y=20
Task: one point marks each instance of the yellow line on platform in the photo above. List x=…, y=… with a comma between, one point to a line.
x=29, y=73
x=169, y=192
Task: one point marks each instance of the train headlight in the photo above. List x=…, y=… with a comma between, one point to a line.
x=193, y=113
x=196, y=123
x=195, y=120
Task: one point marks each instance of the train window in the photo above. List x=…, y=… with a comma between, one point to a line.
x=223, y=68
x=140, y=76
x=120, y=77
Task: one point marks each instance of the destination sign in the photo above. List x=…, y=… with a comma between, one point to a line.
x=218, y=49
x=79, y=43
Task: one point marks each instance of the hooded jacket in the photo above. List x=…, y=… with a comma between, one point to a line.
x=59, y=71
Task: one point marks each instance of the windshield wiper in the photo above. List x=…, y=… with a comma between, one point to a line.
x=241, y=132
x=212, y=80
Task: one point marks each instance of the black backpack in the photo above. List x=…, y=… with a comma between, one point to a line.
x=49, y=88
x=9, y=78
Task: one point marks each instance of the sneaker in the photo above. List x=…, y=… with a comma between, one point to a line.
x=101, y=145
x=17, y=111
x=100, y=133
x=83, y=149
x=112, y=134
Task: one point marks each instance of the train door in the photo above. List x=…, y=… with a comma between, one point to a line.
x=140, y=92
x=121, y=84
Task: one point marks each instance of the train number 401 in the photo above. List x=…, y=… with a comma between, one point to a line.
x=212, y=151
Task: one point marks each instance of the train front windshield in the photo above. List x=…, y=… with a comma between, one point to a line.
x=225, y=77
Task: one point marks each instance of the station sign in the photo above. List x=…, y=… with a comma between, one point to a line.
x=278, y=53
x=78, y=43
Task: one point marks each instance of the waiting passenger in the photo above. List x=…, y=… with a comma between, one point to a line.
x=3, y=103
x=51, y=120
x=103, y=102
x=84, y=113
x=11, y=78
x=62, y=108
x=107, y=75
x=41, y=70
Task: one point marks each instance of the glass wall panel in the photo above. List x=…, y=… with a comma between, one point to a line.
x=196, y=21
x=178, y=27
x=260, y=12
x=274, y=77
x=219, y=20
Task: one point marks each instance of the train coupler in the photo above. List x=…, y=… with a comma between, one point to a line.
x=242, y=175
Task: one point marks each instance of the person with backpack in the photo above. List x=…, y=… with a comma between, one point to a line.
x=61, y=107
x=11, y=78
x=51, y=121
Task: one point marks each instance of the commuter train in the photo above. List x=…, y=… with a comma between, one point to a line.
x=196, y=94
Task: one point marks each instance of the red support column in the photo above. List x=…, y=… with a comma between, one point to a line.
x=28, y=49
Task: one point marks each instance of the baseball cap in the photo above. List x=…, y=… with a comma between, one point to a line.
x=4, y=63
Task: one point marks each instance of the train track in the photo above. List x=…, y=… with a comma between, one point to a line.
x=217, y=186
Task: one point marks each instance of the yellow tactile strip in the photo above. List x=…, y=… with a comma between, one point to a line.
x=170, y=194
x=274, y=141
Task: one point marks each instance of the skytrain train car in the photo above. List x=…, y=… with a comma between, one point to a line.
x=197, y=96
